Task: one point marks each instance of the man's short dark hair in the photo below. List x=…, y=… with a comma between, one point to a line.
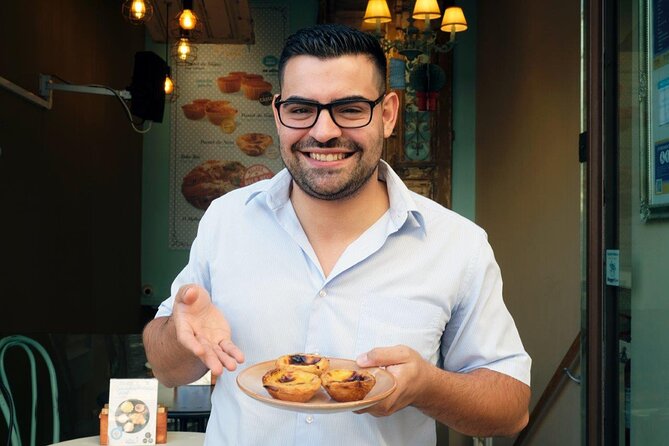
x=333, y=40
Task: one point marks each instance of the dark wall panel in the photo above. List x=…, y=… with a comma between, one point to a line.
x=70, y=177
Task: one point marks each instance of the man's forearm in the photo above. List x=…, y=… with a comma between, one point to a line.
x=171, y=363
x=479, y=403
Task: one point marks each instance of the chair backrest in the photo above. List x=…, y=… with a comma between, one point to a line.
x=7, y=401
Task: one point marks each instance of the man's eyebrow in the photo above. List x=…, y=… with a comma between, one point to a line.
x=313, y=101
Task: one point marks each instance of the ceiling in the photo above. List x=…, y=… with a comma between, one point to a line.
x=347, y=12
x=223, y=21
x=226, y=21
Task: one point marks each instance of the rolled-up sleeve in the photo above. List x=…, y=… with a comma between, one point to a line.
x=481, y=332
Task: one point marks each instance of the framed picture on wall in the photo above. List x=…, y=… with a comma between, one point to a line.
x=654, y=188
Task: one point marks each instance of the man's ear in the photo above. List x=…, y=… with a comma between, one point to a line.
x=390, y=106
x=276, y=113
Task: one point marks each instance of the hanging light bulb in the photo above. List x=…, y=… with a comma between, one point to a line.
x=169, y=85
x=184, y=52
x=137, y=11
x=170, y=89
x=187, y=18
x=183, y=49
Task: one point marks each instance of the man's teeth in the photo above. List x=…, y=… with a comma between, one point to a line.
x=327, y=157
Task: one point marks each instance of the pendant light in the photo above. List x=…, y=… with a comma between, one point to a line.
x=170, y=95
x=137, y=12
x=187, y=18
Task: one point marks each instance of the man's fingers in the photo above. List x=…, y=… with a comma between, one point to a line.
x=384, y=356
x=229, y=354
x=203, y=330
x=187, y=338
x=225, y=360
x=232, y=350
x=189, y=294
x=210, y=359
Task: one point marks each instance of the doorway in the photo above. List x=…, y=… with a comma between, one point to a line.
x=628, y=287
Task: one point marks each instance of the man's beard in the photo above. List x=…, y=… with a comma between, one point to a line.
x=308, y=180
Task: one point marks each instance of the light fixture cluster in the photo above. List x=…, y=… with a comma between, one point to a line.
x=183, y=51
x=169, y=83
x=409, y=40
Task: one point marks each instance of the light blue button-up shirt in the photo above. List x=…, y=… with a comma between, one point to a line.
x=421, y=276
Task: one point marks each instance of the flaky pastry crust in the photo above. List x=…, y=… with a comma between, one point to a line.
x=291, y=385
x=347, y=385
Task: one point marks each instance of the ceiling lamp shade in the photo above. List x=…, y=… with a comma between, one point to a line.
x=377, y=12
x=426, y=9
x=408, y=40
x=454, y=20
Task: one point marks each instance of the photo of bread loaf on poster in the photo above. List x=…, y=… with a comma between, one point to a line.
x=211, y=179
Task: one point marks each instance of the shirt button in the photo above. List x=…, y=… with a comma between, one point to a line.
x=322, y=293
x=309, y=419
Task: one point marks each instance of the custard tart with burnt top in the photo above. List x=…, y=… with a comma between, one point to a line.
x=306, y=362
x=347, y=385
x=291, y=385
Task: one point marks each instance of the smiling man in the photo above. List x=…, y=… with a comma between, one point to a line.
x=336, y=256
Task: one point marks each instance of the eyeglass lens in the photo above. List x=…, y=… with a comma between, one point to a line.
x=349, y=114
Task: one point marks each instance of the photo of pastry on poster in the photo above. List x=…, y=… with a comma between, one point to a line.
x=223, y=133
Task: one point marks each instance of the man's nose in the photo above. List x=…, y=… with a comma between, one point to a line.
x=325, y=128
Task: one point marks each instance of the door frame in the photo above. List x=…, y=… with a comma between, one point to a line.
x=594, y=431
x=601, y=323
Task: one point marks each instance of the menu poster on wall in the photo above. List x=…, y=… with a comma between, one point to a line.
x=223, y=131
x=659, y=91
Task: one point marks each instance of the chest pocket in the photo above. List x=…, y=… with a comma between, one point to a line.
x=389, y=321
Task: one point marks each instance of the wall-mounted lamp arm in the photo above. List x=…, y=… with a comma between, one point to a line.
x=47, y=85
x=25, y=94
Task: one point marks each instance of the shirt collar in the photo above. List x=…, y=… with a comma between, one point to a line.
x=403, y=208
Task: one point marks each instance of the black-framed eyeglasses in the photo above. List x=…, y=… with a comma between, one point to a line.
x=346, y=113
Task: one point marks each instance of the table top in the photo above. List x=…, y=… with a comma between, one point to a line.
x=189, y=400
x=173, y=439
